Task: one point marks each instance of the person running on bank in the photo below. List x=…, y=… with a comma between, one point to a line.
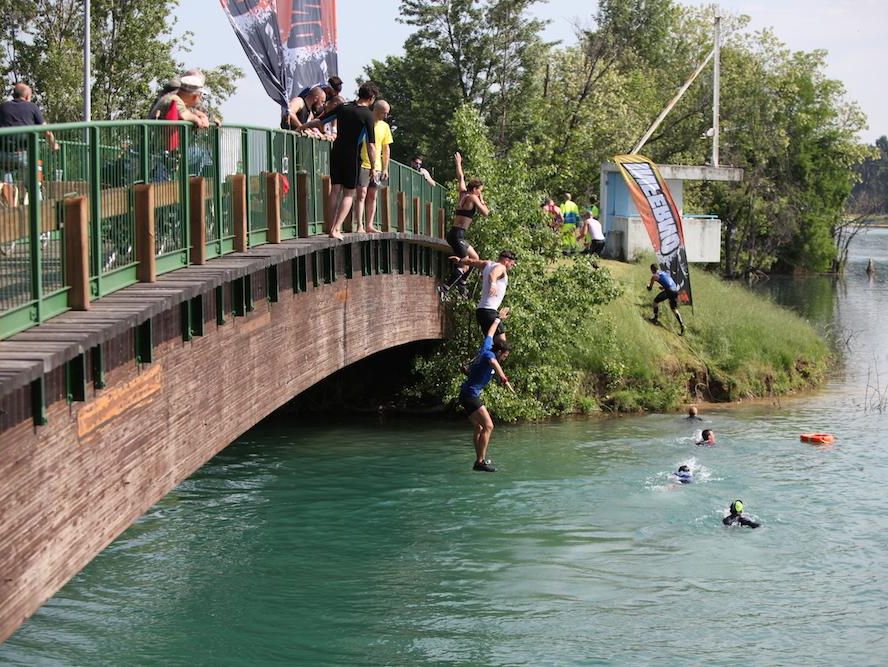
x=668, y=290
x=471, y=203
x=484, y=366
x=735, y=516
x=494, y=281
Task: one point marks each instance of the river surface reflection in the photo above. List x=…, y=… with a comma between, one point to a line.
x=367, y=544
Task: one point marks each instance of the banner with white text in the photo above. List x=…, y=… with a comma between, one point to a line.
x=290, y=43
x=660, y=216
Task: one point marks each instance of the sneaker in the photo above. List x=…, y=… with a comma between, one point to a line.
x=442, y=293
x=484, y=466
x=682, y=332
x=653, y=320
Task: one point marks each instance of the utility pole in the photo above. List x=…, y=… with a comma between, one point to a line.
x=87, y=109
x=716, y=83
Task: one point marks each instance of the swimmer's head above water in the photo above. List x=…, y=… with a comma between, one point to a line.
x=684, y=475
x=707, y=437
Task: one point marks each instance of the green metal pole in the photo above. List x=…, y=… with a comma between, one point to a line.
x=33, y=190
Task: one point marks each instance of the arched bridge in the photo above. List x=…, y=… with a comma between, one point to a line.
x=150, y=316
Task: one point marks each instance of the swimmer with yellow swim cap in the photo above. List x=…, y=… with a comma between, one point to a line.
x=736, y=516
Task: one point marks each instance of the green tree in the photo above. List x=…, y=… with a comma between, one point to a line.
x=133, y=49
x=553, y=300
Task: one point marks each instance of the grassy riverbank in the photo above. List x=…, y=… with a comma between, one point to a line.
x=737, y=345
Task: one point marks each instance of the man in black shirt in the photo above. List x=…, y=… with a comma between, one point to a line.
x=20, y=111
x=354, y=122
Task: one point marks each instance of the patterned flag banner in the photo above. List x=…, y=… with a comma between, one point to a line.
x=660, y=216
x=290, y=43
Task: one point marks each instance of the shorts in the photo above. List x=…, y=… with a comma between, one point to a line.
x=485, y=317
x=364, y=179
x=456, y=237
x=667, y=294
x=471, y=404
x=344, y=168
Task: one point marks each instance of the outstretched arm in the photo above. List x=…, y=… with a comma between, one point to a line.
x=652, y=281
x=460, y=176
x=501, y=375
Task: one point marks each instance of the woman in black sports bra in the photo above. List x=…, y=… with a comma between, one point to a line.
x=471, y=203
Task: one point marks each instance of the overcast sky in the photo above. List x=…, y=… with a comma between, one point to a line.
x=853, y=31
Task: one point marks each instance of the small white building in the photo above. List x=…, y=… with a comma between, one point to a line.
x=624, y=230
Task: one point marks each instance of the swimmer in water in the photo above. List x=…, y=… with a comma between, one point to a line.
x=684, y=475
x=692, y=414
x=707, y=438
x=736, y=516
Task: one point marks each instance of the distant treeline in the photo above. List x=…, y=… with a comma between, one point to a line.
x=870, y=195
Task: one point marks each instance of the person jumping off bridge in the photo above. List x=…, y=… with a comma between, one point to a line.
x=484, y=366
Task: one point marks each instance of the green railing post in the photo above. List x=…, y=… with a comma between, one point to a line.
x=95, y=207
x=185, y=198
x=33, y=190
x=245, y=152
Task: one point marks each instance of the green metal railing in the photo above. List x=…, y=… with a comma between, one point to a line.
x=105, y=161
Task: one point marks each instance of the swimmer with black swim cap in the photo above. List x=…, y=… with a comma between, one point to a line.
x=684, y=475
x=736, y=516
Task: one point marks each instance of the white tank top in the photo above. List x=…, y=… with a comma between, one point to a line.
x=488, y=301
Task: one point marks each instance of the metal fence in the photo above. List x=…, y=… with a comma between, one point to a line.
x=105, y=162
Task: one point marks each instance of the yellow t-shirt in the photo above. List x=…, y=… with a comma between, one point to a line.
x=383, y=134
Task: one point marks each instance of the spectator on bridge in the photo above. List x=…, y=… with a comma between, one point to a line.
x=181, y=102
x=365, y=201
x=305, y=106
x=417, y=164
x=20, y=111
x=483, y=367
x=355, y=126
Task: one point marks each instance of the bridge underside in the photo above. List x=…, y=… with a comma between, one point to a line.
x=113, y=421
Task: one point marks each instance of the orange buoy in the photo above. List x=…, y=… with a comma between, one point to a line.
x=817, y=438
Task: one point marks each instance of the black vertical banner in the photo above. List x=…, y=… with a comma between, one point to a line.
x=290, y=43
x=660, y=216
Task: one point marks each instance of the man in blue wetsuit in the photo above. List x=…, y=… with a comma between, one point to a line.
x=668, y=290
x=684, y=475
x=484, y=366
x=736, y=516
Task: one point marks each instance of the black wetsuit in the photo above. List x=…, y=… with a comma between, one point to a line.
x=731, y=519
x=354, y=126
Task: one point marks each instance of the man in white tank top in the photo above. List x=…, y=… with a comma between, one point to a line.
x=494, y=280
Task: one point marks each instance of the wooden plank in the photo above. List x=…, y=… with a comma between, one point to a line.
x=198, y=220
x=77, y=252
x=145, y=244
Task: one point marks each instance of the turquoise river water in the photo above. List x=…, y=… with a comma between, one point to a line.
x=361, y=543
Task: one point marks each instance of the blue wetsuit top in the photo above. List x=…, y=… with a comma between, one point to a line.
x=684, y=477
x=480, y=370
x=666, y=281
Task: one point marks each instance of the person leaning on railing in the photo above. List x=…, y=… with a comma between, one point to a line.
x=20, y=111
x=178, y=101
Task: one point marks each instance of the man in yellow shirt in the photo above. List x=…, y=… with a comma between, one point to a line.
x=365, y=198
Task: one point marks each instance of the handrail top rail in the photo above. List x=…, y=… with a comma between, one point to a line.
x=80, y=125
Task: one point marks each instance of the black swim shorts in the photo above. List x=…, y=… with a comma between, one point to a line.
x=470, y=403
x=344, y=168
x=485, y=317
x=456, y=237
x=667, y=294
